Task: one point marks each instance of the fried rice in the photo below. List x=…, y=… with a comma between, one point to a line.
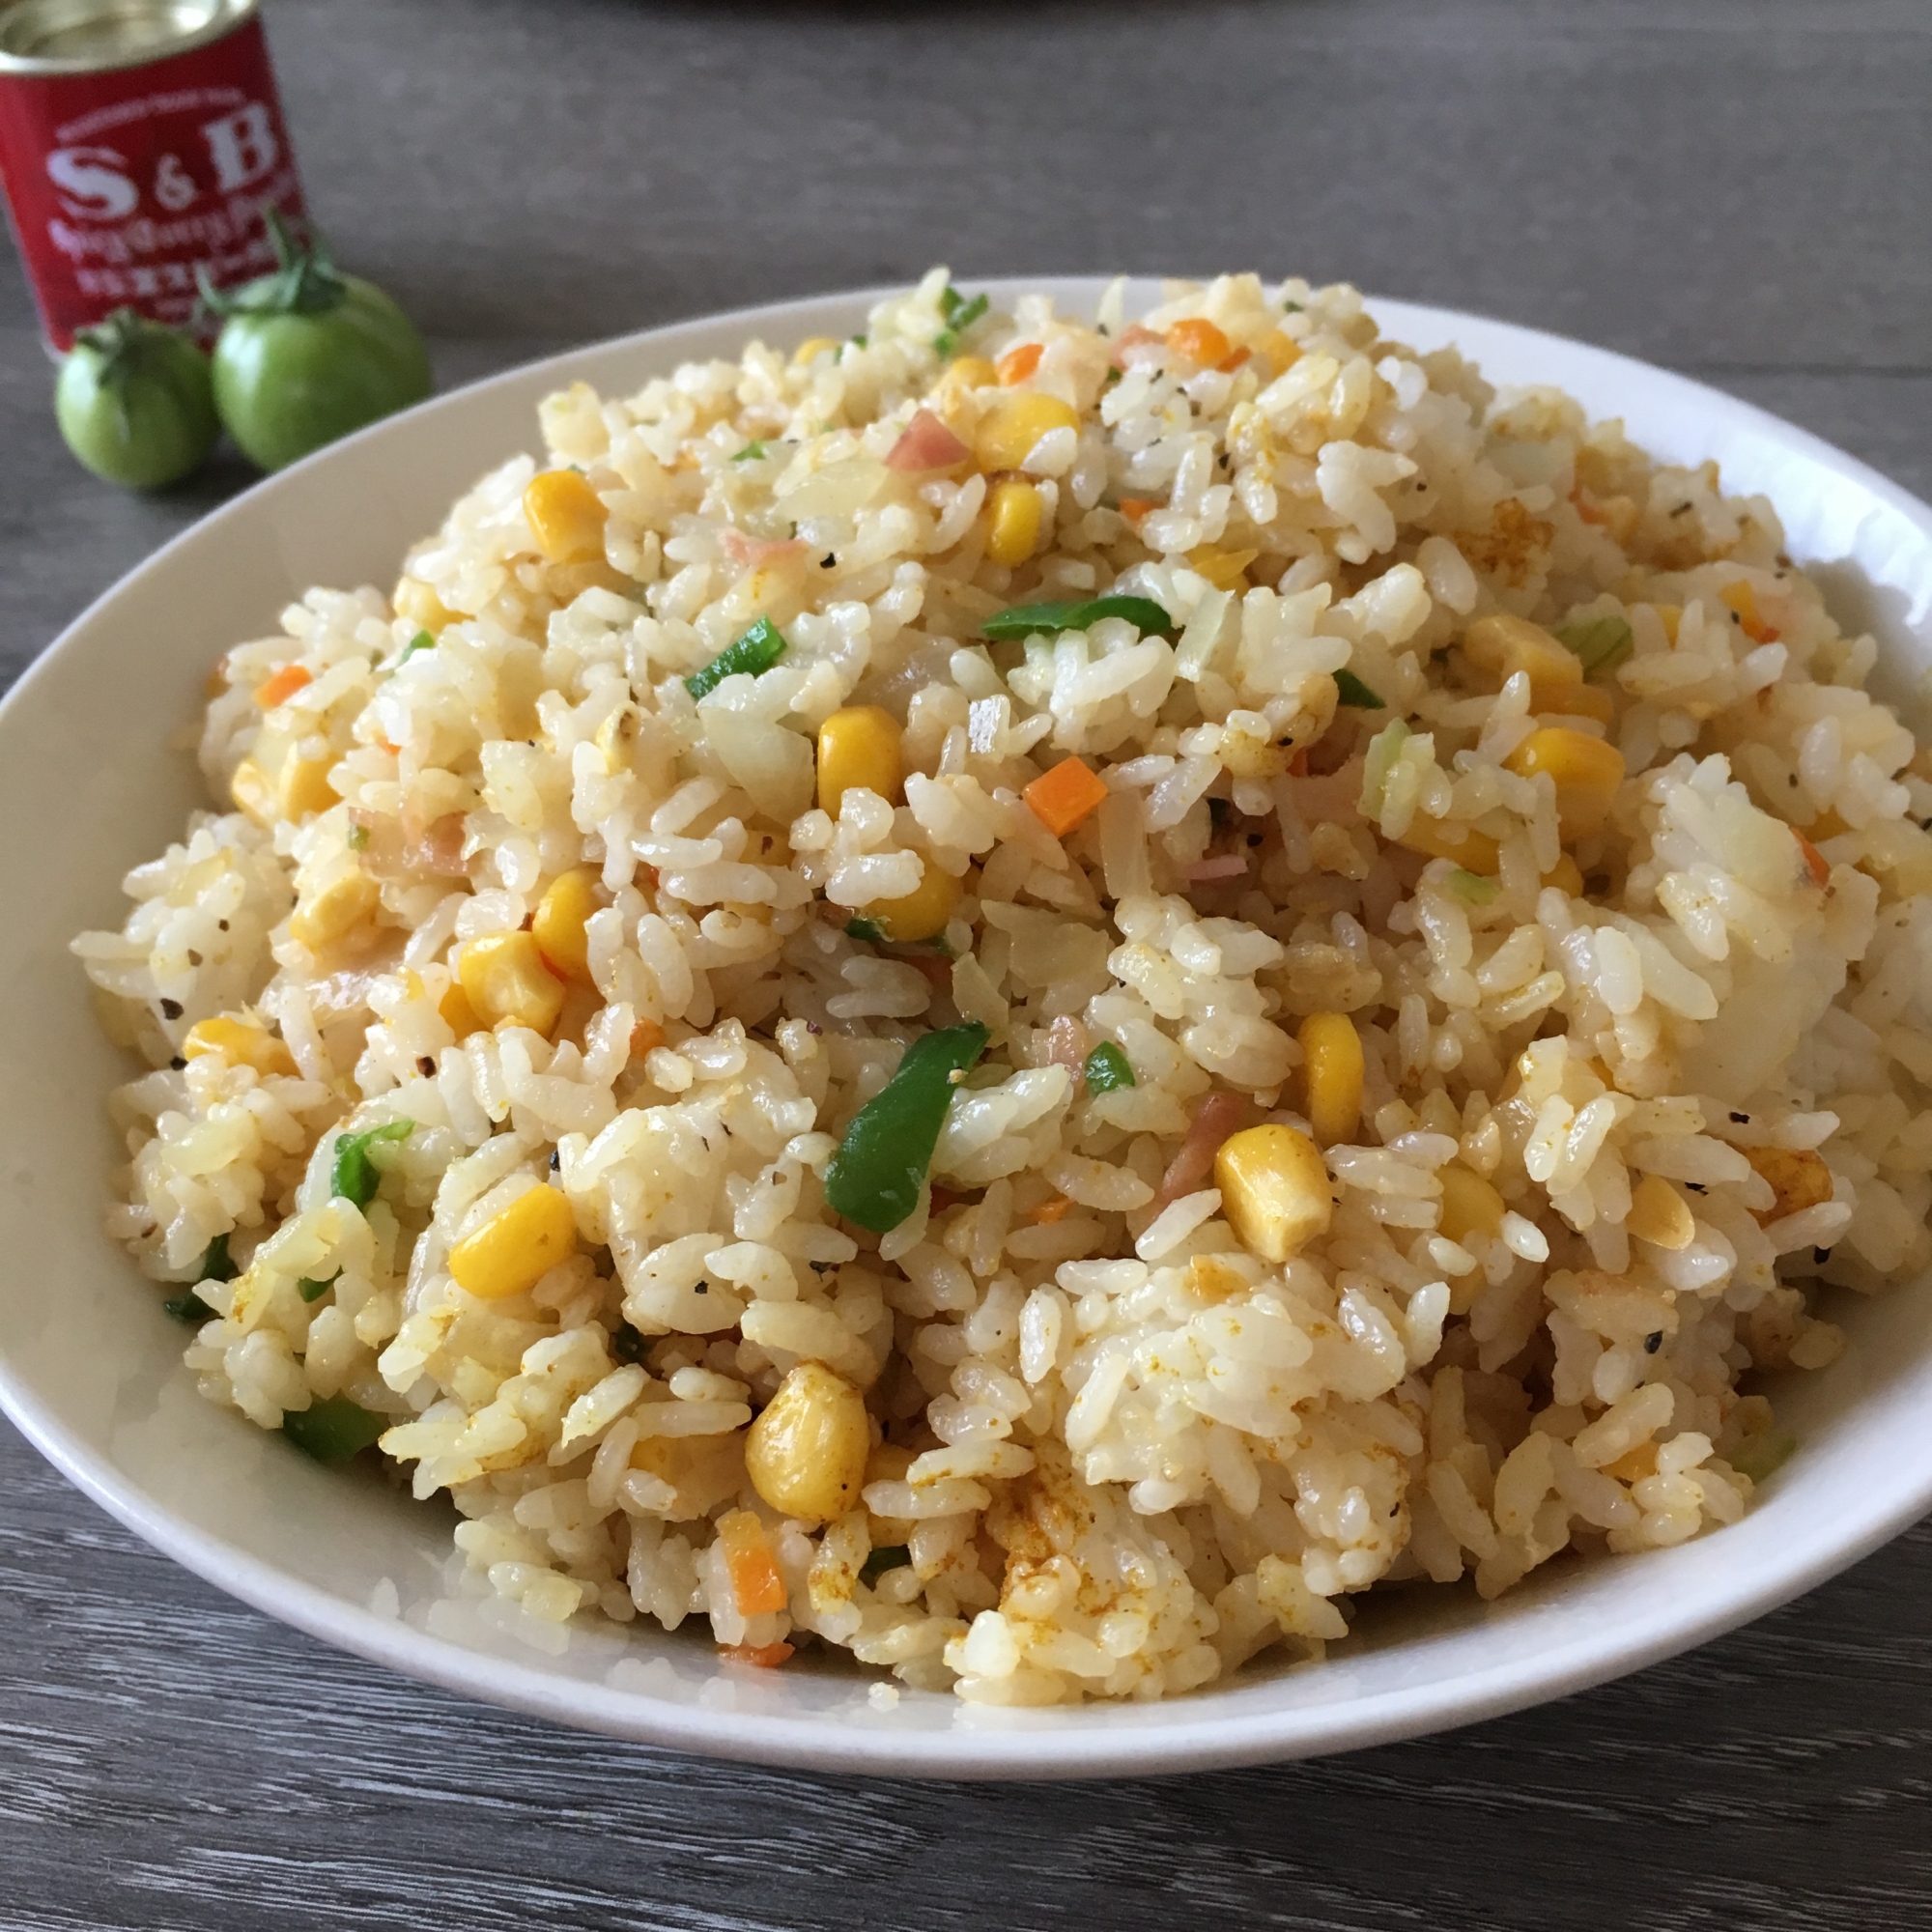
x=1448, y=803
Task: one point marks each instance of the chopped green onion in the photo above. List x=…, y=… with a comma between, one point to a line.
x=355, y=1176
x=867, y=929
x=754, y=654
x=627, y=1343
x=1757, y=1456
x=188, y=1306
x=1107, y=1067
x=1112, y=377
x=1291, y=308
x=359, y=837
x=1600, y=643
x=311, y=1290
x=881, y=1164
x=1471, y=888
x=857, y=341
x=960, y=316
x=421, y=641
x=886, y=1556
x=1384, y=748
x=1350, y=690
x=1024, y=620
x=333, y=1429
x=753, y=452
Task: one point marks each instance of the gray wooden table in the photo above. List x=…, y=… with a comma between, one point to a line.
x=1738, y=191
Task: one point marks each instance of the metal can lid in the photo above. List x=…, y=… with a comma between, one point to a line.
x=53, y=36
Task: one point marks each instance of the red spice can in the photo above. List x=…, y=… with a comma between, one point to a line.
x=140, y=141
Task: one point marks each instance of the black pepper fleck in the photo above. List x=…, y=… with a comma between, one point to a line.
x=555, y=1161
x=176, y=1063
x=426, y=1064
x=171, y=1010
x=1680, y=509
x=222, y=925
x=1741, y=1120
x=826, y=561
x=1652, y=1342
x=704, y=1288
x=1820, y=1256
x=1696, y=1187
x=812, y=1027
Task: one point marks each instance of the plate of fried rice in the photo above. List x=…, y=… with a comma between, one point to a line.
x=1004, y=1029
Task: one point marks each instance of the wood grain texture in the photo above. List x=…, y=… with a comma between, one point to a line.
x=1736, y=191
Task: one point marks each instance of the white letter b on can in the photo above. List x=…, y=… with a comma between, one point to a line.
x=242, y=146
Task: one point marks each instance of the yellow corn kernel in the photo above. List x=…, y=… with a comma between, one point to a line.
x=302, y=787
x=335, y=911
x=239, y=1043
x=1470, y=1206
x=1224, y=569
x=253, y=792
x=812, y=349
x=1669, y=615
x=806, y=1452
x=1014, y=511
x=1275, y=1189
x=458, y=1013
x=1659, y=1213
x=1015, y=424
x=1331, y=1054
x=972, y=372
x=1587, y=700
x=1504, y=645
x=513, y=1250
x=566, y=515
x=1474, y=851
x=506, y=982
x=560, y=918
x=1566, y=875
x=1586, y=770
x=858, y=749
x=415, y=602
x=923, y=911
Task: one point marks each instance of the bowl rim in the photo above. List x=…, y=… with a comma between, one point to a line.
x=1216, y=1737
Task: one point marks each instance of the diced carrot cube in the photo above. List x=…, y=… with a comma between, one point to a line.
x=750, y=1563
x=1018, y=364
x=1050, y=1212
x=1740, y=598
x=1060, y=799
x=1134, y=508
x=282, y=685
x=645, y=1037
x=1200, y=341
x=766, y=1656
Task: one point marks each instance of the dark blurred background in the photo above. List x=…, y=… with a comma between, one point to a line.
x=1736, y=190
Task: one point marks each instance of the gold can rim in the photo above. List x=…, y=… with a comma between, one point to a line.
x=75, y=37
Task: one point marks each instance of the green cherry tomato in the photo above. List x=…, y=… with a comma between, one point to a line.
x=133, y=402
x=308, y=354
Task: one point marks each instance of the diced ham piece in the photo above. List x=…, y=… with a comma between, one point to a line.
x=926, y=445
x=1135, y=345
x=1222, y=866
x=1217, y=1117
x=435, y=848
x=758, y=553
x=1065, y=1045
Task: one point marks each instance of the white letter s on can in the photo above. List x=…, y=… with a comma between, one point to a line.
x=94, y=187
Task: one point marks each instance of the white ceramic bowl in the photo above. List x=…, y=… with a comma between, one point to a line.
x=89, y=1365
